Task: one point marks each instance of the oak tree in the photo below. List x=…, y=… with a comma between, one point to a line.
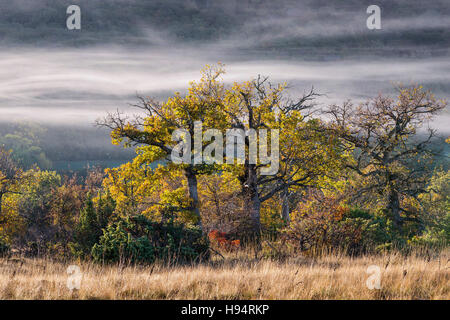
x=389, y=152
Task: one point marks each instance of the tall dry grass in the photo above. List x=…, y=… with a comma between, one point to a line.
x=235, y=276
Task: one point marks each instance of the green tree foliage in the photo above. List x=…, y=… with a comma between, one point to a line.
x=34, y=203
x=88, y=230
x=94, y=217
x=106, y=207
x=436, y=205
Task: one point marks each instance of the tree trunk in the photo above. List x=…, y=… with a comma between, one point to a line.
x=394, y=207
x=285, y=214
x=255, y=203
x=255, y=208
x=193, y=193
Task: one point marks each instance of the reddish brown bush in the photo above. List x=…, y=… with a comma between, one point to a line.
x=220, y=240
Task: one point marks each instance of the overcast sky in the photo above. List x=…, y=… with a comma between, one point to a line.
x=124, y=47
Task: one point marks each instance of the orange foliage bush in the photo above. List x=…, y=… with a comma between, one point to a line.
x=220, y=239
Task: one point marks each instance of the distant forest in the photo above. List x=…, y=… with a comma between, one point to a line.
x=61, y=148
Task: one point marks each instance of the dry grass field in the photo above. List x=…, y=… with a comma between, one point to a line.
x=236, y=276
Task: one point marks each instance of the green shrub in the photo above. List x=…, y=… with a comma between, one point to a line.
x=4, y=247
x=87, y=231
x=140, y=240
x=118, y=244
x=93, y=218
x=373, y=230
x=436, y=235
